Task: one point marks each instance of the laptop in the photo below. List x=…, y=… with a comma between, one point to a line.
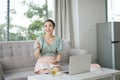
x=79, y=64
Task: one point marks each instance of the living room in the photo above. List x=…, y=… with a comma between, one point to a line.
x=85, y=14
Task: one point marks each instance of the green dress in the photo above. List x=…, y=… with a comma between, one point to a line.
x=50, y=50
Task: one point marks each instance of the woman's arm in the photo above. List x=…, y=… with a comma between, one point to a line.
x=37, y=51
x=59, y=50
x=58, y=57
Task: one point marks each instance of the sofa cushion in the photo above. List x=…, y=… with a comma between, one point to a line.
x=66, y=51
x=19, y=74
x=17, y=54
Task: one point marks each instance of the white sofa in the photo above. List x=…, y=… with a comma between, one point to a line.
x=17, y=60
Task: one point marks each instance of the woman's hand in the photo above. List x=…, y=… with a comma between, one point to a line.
x=37, y=44
x=54, y=62
x=58, y=57
x=37, y=52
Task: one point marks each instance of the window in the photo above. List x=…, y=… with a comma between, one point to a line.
x=3, y=19
x=26, y=18
x=113, y=10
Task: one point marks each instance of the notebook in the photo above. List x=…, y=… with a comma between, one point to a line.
x=79, y=64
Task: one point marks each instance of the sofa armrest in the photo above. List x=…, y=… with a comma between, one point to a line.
x=1, y=73
x=74, y=52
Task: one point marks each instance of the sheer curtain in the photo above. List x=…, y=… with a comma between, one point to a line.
x=63, y=19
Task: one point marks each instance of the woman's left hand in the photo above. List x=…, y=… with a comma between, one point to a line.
x=54, y=62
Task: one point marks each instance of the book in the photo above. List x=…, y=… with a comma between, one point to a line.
x=94, y=67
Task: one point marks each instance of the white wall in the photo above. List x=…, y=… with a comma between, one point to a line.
x=89, y=13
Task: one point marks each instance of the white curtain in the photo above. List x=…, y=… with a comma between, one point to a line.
x=63, y=20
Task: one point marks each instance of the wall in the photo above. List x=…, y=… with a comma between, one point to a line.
x=86, y=14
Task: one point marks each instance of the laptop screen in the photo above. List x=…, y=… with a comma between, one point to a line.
x=79, y=64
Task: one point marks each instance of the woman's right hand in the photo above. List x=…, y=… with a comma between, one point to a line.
x=37, y=52
x=37, y=44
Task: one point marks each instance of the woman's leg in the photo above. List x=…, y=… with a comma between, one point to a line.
x=46, y=71
x=39, y=72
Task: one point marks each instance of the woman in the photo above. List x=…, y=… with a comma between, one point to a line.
x=48, y=49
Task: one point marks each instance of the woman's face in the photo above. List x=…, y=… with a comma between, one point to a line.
x=48, y=27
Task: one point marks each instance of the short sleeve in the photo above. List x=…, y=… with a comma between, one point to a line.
x=60, y=46
x=39, y=39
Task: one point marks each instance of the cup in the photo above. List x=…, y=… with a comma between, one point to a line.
x=54, y=72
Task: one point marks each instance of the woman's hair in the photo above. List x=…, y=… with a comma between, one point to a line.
x=50, y=20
